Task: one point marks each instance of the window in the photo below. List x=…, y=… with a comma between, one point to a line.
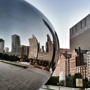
x=85, y=21
x=81, y=24
x=72, y=31
x=75, y=28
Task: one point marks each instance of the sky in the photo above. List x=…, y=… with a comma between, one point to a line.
x=63, y=14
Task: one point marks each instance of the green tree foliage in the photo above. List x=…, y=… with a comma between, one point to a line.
x=69, y=81
x=89, y=84
x=85, y=83
x=61, y=83
x=77, y=75
x=53, y=81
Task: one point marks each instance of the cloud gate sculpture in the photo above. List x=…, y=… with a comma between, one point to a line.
x=28, y=46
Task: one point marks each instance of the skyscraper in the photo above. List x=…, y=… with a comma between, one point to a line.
x=1, y=45
x=15, y=43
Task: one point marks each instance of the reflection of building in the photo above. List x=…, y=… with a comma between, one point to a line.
x=33, y=49
x=25, y=50
x=16, y=43
x=1, y=45
x=42, y=55
x=6, y=49
x=80, y=34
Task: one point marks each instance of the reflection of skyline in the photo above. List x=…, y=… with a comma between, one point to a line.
x=14, y=21
x=24, y=39
x=34, y=50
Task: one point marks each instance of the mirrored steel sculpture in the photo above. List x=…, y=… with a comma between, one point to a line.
x=28, y=46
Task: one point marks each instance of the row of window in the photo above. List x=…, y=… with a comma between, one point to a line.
x=80, y=25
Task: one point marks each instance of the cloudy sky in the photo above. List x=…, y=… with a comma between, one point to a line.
x=63, y=14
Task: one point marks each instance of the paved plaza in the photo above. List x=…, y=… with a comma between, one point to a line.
x=18, y=78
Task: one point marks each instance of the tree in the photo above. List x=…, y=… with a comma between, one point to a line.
x=69, y=81
x=88, y=83
x=61, y=83
x=53, y=81
x=85, y=83
x=77, y=75
x=1, y=56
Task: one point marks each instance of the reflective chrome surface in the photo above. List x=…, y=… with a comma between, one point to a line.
x=26, y=35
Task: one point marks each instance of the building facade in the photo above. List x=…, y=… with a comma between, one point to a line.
x=80, y=34
x=88, y=65
x=1, y=45
x=63, y=64
x=78, y=62
x=73, y=62
x=83, y=70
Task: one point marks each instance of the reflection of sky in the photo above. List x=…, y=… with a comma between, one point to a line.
x=23, y=20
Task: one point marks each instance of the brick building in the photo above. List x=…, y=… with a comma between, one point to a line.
x=78, y=62
x=63, y=62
